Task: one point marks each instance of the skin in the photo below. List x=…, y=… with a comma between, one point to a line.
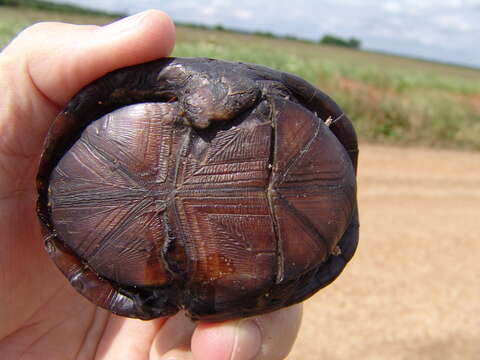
x=42, y=316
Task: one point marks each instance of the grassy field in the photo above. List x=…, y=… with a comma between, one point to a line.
x=390, y=99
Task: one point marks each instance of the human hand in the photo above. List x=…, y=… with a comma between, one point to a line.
x=42, y=316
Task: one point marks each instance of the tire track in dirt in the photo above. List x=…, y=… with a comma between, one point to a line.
x=412, y=291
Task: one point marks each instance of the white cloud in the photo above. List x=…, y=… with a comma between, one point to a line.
x=242, y=14
x=452, y=22
x=392, y=7
x=209, y=11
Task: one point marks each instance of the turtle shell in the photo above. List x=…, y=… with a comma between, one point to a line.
x=224, y=189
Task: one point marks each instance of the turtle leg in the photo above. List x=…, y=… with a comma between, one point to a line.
x=101, y=292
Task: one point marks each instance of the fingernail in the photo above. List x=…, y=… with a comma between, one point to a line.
x=126, y=23
x=248, y=340
x=177, y=354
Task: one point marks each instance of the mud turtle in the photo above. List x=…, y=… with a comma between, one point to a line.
x=225, y=189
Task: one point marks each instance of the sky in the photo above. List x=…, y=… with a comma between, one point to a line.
x=442, y=30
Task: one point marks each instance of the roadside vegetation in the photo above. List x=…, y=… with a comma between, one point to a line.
x=390, y=99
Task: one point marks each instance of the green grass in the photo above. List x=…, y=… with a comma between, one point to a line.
x=55, y=7
x=15, y=19
x=390, y=99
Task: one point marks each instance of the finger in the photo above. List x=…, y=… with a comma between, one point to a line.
x=176, y=354
x=127, y=338
x=173, y=339
x=233, y=340
x=269, y=336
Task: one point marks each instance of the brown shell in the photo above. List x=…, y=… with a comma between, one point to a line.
x=199, y=184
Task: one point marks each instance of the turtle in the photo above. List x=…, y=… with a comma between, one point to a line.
x=223, y=189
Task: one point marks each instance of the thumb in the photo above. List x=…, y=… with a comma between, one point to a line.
x=62, y=58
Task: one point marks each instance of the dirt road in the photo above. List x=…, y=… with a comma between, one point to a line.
x=412, y=290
